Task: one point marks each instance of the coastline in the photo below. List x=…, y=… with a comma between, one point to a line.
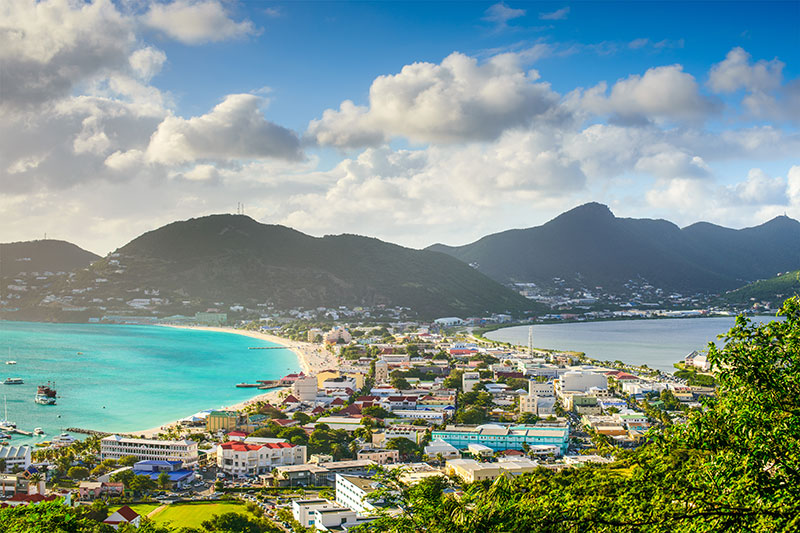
x=311, y=357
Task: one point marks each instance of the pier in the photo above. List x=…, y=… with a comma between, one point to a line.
x=267, y=348
x=8, y=429
x=88, y=432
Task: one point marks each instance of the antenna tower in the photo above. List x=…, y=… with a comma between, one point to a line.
x=530, y=340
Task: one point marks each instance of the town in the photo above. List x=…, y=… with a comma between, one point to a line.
x=406, y=400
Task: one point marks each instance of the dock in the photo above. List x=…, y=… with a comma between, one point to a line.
x=15, y=430
x=88, y=432
x=267, y=348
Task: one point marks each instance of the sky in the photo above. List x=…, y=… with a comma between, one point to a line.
x=413, y=122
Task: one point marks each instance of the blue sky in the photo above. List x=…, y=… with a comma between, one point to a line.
x=415, y=122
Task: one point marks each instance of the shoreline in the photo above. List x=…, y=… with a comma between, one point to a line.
x=312, y=359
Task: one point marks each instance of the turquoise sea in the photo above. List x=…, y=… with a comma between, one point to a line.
x=127, y=378
x=656, y=343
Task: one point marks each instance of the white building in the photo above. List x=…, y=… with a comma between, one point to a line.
x=242, y=459
x=538, y=405
x=436, y=417
x=537, y=388
x=305, y=388
x=448, y=321
x=469, y=380
x=352, y=492
x=16, y=457
x=115, y=447
x=582, y=381
x=439, y=447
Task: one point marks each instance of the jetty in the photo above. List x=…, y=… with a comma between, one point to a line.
x=88, y=432
x=267, y=348
x=9, y=429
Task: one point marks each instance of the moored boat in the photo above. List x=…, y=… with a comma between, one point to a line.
x=38, y=431
x=45, y=395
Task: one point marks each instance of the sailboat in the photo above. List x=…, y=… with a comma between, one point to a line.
x=6, y=423
x=9, y=361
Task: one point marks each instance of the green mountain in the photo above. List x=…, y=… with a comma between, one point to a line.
x=774, y=290
x=42, y=256
x=591, y=246
x=223, y=260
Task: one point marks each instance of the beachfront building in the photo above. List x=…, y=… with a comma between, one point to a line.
x=116, y=447
x=245, y=459
x=338, y=334
x=15, y=457
x=224, y=421
x=500, y=438
x=305, y=389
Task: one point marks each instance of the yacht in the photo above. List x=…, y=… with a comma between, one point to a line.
x=6, y=424
x=65, y=439
x=46, y=394
x=11, y=362
x=13, y=381
x=38, y=431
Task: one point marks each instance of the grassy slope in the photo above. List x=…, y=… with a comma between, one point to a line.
x=194, y=514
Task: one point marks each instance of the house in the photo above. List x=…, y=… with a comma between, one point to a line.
x=439, y=447
x=470, y=470
x=381, y=457
x=124, y=515
x=89, y=490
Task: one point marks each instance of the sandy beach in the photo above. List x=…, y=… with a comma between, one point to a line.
x=313, y=358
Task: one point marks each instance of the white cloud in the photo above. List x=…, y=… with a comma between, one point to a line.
x=500, y=14
x=559, y=14
x=456, y=101
x=196, y=21
x=147, y=62
x=234, y=129
x=48, y=47
x=737, y=72
x=662, y=93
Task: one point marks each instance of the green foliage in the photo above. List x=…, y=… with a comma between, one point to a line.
x=695, y=378
x=238, y=523
x=127, y=460
x=78, y=472
x=732, y=466
x=376, y=411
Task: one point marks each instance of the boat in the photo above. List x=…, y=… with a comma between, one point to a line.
x=65, y=439
x=13, y=381
x=11, y=362
x=6, y=424
x=45, y=394
x=38, y=431
x=5, y=436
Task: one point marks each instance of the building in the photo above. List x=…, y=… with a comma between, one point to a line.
x=381, y=371
x=581, y=381
x=304, y=512
x=124, y=515
x=352, y=492
x=178, y=476
x=338, y=334
x=248, y=459
x=470, y=470
x=415, y=434
x=305, y=389
x=435, y=417
x=501, y=438
x=319, y=474
x=538, y=405
x=224, y=421
x=469, y=380
x=89, y=490
x=381, y=457
x=439, y=448
x=116, y=447
x=211, y=319
x=16, y=457
x=13, y=484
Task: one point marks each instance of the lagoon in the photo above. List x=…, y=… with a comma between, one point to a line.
x=657, y=343
x=127, y=378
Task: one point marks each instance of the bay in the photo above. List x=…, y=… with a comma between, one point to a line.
x=657, y=343
x=127, y=378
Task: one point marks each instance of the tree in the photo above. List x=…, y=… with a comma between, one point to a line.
x=163, y=481
x=400, y=383
x=732, y=466
x=472, y=415
x=78, y=472
x=405, y=447
x=301, y=417
x=125, y=460
x=376, y=411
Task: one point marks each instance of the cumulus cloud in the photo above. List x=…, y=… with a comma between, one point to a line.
x=662, y=93
x=236, y=128
x=559, y=14
x=196, y=21
x=738, y=72
x=147, y=62
x=456, y=101
x=48, y=47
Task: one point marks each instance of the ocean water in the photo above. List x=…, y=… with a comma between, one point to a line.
x=655, y=343
x=126, y=378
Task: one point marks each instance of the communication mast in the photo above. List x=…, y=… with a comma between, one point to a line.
x=530, y=340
